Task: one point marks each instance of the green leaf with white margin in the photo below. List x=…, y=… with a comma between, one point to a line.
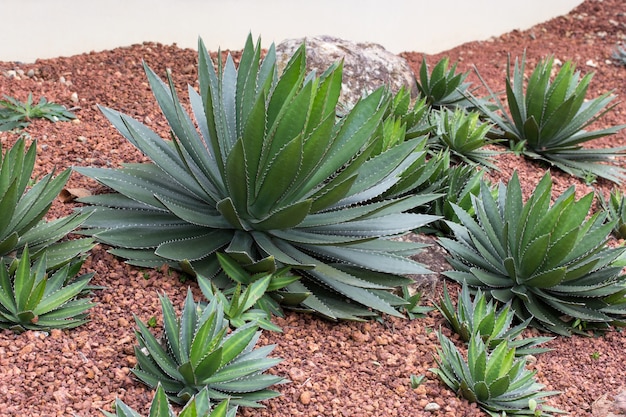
x=237, y=341
x=195, y=247
x=62, y=295
x=158, y=353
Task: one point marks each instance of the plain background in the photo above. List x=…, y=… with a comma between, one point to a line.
x=34, y=29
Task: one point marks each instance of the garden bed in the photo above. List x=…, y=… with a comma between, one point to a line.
x=336, y=369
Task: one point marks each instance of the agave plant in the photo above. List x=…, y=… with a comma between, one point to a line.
x=443, y=87
x=464, y=135
x=401, y=121
x=21, y=222
x=459, y=185
x=547, y=119
x=272, y=179
x=15, y=114
x=496, y=380
x=619, y=54
x=197, y=352
x=482, y=318
x=415, y=118
x=260, y=291
x=615, y=209
x=198, y=406
x=32, y=300
x=550, y=262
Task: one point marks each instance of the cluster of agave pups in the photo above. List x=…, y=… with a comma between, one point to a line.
x=271, y=200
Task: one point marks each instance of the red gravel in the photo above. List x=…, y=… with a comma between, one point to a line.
x=336, y=369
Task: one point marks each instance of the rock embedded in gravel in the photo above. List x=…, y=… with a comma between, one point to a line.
x=366, y=66
x=305, y=397
x=432, y=407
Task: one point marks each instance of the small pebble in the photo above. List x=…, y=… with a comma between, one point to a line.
x=297, y=375
x=432, y=407
x=305, y=397
x=74, y=97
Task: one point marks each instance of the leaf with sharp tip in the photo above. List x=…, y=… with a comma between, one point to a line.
x=533, y=255
x=326, y=96
x=237, y=182
x=158, y=150
x=290, y=124
x=161, y=358
x=149, y=234
x=353, y=134
x=187, y=326
x=160, y=406
x=59, y=298
x=234, y=270
x=277, y=177
x=171, y=327
x=228, y=106
x=254, y=140
x=208, y=365
x=24, y=279
x=286, y=87
x=499, y=362
x=34, y=205
x=316, y=146
x=374, y=260
x=237, y=341
x=8, y=205
x=246, y=79
x=385, y=165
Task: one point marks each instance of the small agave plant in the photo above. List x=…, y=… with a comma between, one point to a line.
x=550, y=262
x=31, y=299
x=15, y=114
x=481, y=317
x=546, y=119
x=443, y=87
x=271, y=177
x=198, y=406
x=198, y=352
x=254, y=297
x=464, y=135
x=23, y=209
x=615, y=209
x=414, y=118
x=496, y=380
x=619, y=54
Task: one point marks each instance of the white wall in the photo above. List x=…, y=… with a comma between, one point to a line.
x=49, y=28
